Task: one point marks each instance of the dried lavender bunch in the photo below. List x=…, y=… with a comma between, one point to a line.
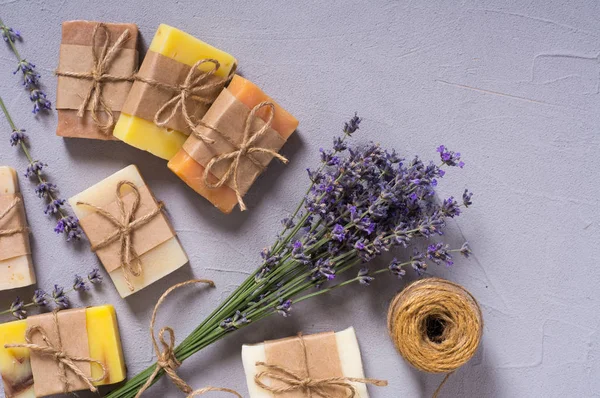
x=31, y=79
x=58, y=296
x=363, y=201
x=67, y=224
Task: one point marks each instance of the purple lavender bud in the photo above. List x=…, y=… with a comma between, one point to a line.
x=352, y=125
x=94, y=276
x=450, y=207
x=79, y=284
x=34, y=168
x=39, y=298
x=338, y=233
x=439, y=253
x=17, y=309
x=54, y=206
x=44, y=188
x=70, y=226
x=466, y=197
x=17, y=137
x=59, y=297
x=9, y=34
x=396, y=268
x=465, y=250
x=339, y=145
x=450, y=158
x=284, y=308
x=364, y=278
x=40, y=102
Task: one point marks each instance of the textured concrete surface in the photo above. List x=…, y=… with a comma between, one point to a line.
x=513, y=85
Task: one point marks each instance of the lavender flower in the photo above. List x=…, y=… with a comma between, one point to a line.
x=39, y=99
x=351, y=126
x=9, y=34
x=396, y=268
x=59, y=297
x=363, y=277
x=17, y=137
x=284, y=308
x=17, y=309
x=235, y=322
x=34, y=168
x=467, y=198
x=54, y=206
x=465, y=250
x=94, y=276
x=338, y=233
x=30, y=76
x=70, y=226
x=439, y=253
x=43, y=189
x=450, y=207
x=40, y=298
x=79, y=284
x=450, y=158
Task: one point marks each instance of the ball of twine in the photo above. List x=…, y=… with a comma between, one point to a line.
x=435, y=324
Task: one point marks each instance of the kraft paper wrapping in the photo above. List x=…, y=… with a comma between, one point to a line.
x=18, y=244
x=322, y=356
x=145, y=238
x=228, y=117
x=76, y=56
x=144, y=100
x=45, y=369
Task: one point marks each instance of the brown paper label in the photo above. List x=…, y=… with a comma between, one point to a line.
x=18, y=244
x=144, y=99
x=76, y=58
x=321, y=354
x=73, y=332
x=145, y=238
x=228, y=116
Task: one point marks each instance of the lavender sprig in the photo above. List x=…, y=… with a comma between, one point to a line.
x=31, y=79
x=58, y=296
x=67, y=224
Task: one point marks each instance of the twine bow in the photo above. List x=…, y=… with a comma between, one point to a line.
x=12, y=231
x=167, y=360
x=246, y=148
x=64, y=360
x=195, y=87
x=130, y=260
x=293, y=381
x=103, y=56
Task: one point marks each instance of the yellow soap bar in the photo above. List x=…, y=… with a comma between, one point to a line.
x=186, y=49
x=103, y=341
x=16, y=271
x=192, y=172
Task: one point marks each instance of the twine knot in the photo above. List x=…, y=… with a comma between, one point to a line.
x=245, y=149
x=166, y=358
x=64, y=360
x=324, y=388
x=125, y=226
x=12, y=231
x=103, y=56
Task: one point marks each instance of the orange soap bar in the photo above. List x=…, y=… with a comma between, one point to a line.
x=192, y=172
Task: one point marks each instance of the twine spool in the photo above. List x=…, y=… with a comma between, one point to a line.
x=436, y=325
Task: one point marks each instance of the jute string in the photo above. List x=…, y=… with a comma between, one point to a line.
x=436, y=325
x=166, y=359
x=130, y=260
x=246, y=148
x=65, y=361
x=103, y=56
x=293, y=381
x=12, y=231
x=196, y=87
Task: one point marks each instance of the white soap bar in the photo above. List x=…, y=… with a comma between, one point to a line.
x=156, y=263
x=350, y=360
x=17, y=271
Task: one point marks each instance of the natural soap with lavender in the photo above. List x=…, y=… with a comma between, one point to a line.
x=169, y=60
x=228, y=115
x=16, y=268
x=91, y=333
x=153, y=249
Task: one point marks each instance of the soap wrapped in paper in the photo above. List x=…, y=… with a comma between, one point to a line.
x=16, y=268
x=128, y=230
x=89, y=108
x=322, y=356
x=153, y=118
x=90, y=335
x=242, y=116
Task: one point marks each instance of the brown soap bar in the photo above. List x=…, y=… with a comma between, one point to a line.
x=75, y=57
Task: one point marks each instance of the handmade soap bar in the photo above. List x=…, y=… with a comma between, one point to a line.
x=81, y=42
x=91, y=333
x=169, y=60
x=327, y=354
x=229, y=113
x=153, y=240
x=16, y=267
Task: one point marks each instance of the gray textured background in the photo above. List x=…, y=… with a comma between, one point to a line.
x=513, y=85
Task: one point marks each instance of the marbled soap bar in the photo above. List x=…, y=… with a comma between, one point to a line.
x=160, y=252
x=329, y=355
x=170, y=56
x=192, y=172
x=76, y=56
x=15, y=271
x=103, y=342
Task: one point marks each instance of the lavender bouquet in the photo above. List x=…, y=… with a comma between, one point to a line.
x=362, y=202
